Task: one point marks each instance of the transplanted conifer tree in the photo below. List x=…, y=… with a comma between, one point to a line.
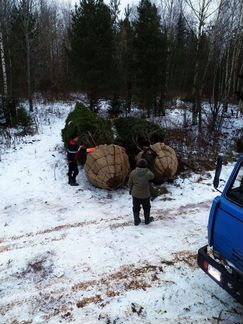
x=148, y=46
x=91, y=46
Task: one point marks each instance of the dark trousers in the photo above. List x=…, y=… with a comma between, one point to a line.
x=72, y=171
x=137, y=203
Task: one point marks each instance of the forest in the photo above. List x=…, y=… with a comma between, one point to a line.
x=147, y=56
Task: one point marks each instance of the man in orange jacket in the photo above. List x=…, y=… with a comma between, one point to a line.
x=73, y=151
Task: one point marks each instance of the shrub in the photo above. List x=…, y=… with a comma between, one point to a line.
x=134, y=133
x=22, y=118
x=239, y=142
x=8, y=111
x=91, y=129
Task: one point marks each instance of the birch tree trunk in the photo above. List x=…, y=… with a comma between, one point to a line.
x=28, y=72
x=2, y=51
x=25, y=10
x=3, y=65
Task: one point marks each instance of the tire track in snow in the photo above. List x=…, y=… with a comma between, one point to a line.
x=98, y=291
x=160, y=214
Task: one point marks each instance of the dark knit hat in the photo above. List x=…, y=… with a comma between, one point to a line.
x=142, y=163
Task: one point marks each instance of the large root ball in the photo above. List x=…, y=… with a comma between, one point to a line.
x=162, y=161
x=107, y=167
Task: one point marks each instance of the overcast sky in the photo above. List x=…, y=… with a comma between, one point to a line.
x=123, y=4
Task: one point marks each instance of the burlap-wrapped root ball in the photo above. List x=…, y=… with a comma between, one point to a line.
x=107, y=167
x=162, y=161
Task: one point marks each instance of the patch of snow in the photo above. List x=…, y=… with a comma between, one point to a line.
x=72, y=254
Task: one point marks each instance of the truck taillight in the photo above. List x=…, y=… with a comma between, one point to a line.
x=211, y=270
x=205, y=265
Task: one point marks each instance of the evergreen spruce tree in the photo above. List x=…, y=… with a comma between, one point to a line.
x=179, y=68
x=127, y=59
x=91, y=47
x=115, y=85
x=148, y=46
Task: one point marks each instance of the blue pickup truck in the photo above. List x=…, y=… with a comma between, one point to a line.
x=222, y=258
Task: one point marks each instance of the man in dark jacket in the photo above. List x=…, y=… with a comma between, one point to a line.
x=139, y=187
x=72, y=151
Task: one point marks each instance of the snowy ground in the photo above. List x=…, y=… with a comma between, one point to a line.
x=73, y=255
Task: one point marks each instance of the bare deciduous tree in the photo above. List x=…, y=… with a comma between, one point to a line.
x=201, y=10
x=3, y=6
x=26, y=15
x=3, y=65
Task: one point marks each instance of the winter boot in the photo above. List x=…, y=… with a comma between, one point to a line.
x=74, y=183
x=137, y=222
x=151, y=219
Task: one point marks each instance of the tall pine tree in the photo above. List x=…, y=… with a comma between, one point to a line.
x=91, y=45
x=149, y=51
x=127, y=59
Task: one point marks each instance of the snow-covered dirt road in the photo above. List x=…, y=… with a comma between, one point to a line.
x=73, y=255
